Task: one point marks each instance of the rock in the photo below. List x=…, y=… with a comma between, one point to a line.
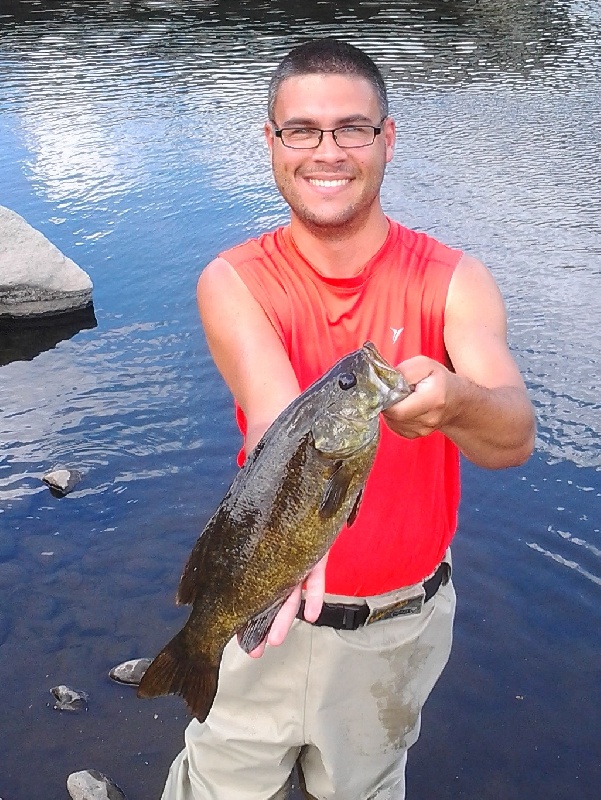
x=130, y=671
x=36, y=279
x=69, y=699
x=62, y=481
x=89, y=784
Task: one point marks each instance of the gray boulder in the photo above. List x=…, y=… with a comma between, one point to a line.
x=129, y=672
x=62, y=481
x=89, y=784
x=36, y=279
x=68, y=699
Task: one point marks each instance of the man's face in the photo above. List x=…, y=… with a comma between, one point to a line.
x=329, y=187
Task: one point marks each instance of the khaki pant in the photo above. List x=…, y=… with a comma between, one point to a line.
x=346, y=704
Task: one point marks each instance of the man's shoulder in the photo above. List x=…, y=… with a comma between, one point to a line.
x=253, y=248
x=423, y=246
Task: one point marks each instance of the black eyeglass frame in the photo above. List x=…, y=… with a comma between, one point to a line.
x=377, y=129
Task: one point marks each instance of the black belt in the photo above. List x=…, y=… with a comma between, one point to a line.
x=350, y=616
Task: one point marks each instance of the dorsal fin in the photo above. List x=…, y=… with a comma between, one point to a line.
x=192, y=576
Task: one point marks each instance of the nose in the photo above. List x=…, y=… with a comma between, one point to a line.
x=328, y=148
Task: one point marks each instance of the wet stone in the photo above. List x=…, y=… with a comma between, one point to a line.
x=89, y=784
x=130, y=672
x=62, y=481
x=68, y=699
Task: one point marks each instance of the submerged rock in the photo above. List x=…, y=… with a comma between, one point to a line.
x=68, y=699
x=89, y=784
x=62, y=481
x=130, y=672
x=36, y=279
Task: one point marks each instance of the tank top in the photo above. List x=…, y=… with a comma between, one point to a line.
x=408, y=513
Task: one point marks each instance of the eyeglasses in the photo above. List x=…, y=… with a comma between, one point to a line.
x=346, y=136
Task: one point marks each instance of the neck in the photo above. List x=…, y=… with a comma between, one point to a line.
x=340, y=251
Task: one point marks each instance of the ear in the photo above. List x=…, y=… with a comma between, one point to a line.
x=269, y=137
x=389, y=137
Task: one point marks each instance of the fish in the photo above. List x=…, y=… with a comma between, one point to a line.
x=297, y=489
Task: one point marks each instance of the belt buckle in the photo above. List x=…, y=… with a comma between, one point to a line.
x=403, y=604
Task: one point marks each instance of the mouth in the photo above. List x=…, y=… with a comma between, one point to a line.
x=324, y=183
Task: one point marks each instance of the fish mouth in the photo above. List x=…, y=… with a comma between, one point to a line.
x=398, y=393
x=392, y=386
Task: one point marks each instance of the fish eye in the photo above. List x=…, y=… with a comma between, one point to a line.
x=347, y=380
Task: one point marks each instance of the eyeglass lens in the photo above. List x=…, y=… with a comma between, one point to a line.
x=348, y=136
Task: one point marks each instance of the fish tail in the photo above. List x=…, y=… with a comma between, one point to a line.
x=175, y=671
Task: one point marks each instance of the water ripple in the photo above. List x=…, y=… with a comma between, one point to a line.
x=566, y=562
x=131, y=135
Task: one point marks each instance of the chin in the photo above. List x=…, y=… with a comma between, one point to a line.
x=327, y=218
x=337, y=221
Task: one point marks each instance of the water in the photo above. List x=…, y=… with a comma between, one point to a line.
x=130, y=134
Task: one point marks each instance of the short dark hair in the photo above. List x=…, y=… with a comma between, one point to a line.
x=328, y=57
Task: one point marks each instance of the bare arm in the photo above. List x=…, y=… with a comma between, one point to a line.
x=245, y=347
x=481, y=404
x=253, y=362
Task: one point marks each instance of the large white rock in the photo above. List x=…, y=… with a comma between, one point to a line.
x=36, y=279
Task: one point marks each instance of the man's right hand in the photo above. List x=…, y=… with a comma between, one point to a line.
x=314, y=592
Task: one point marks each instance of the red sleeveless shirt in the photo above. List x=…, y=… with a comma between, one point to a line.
x=408, y=514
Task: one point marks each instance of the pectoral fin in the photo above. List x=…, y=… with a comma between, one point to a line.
x=335, y=491
x=257, y=627
x=355, y=509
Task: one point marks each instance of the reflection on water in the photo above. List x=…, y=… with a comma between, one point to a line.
x=22, y=340
x=131, y=135
x=498, y=110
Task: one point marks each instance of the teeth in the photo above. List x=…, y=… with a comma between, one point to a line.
x=316, y=182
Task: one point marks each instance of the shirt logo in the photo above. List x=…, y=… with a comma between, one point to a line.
x=396, y=332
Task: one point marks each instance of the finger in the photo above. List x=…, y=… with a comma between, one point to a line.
x=314, y=590
x=284, y=618
x=415, y=369
x=259, y=650
x=280, y=625
x=409, y=409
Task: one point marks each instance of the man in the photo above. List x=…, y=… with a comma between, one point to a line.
x=343, y=697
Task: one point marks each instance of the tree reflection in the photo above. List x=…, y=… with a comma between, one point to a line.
x=517, y=36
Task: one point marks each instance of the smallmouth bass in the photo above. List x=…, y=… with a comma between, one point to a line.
x=298, y=487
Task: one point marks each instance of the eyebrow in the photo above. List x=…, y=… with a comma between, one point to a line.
x=311, y=123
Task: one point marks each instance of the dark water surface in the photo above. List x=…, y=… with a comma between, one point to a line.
x=130, y=134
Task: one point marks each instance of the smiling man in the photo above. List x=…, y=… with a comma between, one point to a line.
x=339, y=685
x=341, y=186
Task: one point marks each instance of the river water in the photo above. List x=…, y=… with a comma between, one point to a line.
x=130, y=134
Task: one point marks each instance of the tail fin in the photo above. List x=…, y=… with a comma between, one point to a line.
x=174, y=671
